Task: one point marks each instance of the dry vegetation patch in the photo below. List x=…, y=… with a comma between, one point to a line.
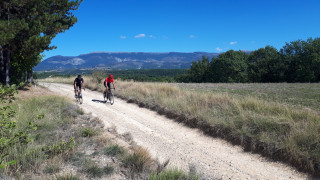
x=262, y=118
x=69, y=144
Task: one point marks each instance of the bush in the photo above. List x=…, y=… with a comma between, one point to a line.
x=68, y=177
x=88, y=132
x=174, y=174
x=114, y=150
x=51, y=169
x=59, y=148
x=11, y=136
x=94, y=171
x=138, y=161
x=108, y=170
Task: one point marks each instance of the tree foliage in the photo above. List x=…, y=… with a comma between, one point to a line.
x=265, y=65
x=297, y=61
x=26, y=30
x=230, y=66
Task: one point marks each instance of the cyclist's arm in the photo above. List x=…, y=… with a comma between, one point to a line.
x=84, y=87
x=113, y=85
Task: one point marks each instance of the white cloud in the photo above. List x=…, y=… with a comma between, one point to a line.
x=218, y=49
x=140, y=36
x=192, y=36
x=152, y=36
x=123, y=37
x=233, y=43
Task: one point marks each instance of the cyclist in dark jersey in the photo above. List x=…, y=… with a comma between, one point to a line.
x=78, y=82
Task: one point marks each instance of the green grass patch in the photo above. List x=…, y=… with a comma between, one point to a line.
x=88, y=132
x=108, y=170
x=68, y=177
x=114, y=150
x=80, y=111
x=49, y=114
x=52, y=168
x=138, y=161
x=173, y=174
x=93, y=170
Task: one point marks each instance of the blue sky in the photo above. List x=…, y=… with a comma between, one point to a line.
x=187, y=25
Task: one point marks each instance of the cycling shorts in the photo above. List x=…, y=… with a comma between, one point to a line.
x=78, y=85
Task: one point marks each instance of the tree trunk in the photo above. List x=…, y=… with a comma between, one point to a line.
x=30, y=76
x=1, y=65
x=7, y=60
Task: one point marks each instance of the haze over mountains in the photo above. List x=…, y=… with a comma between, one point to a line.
x=123, y=60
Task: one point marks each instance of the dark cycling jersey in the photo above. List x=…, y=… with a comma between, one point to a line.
x=78, y=82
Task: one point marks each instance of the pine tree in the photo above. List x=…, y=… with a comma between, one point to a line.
x=26, y=30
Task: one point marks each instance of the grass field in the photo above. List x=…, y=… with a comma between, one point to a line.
x=281, y=121
x=69, y=144
x=300, y=95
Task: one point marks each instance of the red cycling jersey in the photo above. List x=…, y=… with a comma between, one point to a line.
x=108, y=80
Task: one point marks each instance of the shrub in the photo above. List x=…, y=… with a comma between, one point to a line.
x=173, y=174
x=80, y=111
x=108, y=170
x=51, y=169
x=114, y=150
x=88, y=132
x=68, y=177
x=11, y=136
x=59, y=148
x=94, y=171
x=138, y=161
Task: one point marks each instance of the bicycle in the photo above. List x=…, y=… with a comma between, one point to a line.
x=79, y=95
x=109, y=96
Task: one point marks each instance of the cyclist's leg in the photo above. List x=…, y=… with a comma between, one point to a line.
x=80, y=89
x=76, y=90
x=108, y=89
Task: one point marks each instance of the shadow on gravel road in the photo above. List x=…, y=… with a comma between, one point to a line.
x=98, y=101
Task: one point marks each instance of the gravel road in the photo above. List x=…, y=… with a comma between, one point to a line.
x=166, y=139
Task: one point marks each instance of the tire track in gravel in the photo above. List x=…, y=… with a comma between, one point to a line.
x=166, y=139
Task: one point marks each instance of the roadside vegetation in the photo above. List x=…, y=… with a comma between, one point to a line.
x=142, y=75
x=62, y=142
x=280, y=121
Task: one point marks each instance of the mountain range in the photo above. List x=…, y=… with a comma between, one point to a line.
x=123, y=60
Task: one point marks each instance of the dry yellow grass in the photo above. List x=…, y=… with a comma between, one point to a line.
x=280, y=128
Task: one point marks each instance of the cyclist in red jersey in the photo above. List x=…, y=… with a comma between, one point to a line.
x=107, y=82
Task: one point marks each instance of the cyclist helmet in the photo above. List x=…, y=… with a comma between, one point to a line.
x=111, y=76
x=79, y=76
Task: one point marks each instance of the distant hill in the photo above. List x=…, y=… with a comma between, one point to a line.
x=123, y=60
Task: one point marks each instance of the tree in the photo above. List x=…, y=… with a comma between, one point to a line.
x=26, y=30
x=230, y=66
x=199, y=69
x=303, y=59
x=266, y=65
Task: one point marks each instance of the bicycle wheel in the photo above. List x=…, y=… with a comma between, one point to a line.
x=80, y=100
x=104, y=97
x=111, y=98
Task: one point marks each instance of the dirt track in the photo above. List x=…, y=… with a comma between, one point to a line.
x=166, y=139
